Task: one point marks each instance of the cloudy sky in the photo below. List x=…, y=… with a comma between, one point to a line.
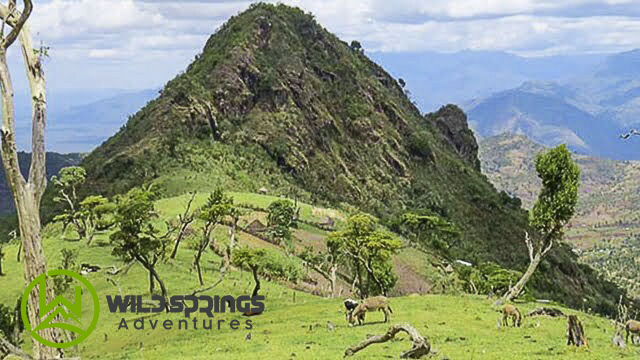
x=135, y=44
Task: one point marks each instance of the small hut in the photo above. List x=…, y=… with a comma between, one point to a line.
x=256, y=226
x=328, y=224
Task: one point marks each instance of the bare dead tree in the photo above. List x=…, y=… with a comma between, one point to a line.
x=421, y=346
x=27, y=193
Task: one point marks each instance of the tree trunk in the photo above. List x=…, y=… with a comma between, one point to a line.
x=576, y=332
x=421, y=346
x=19, y=251
x=27, y=194
x=181, y=234
x=333, y=276
x=254, y=270
x=519, y=286
x=197, y=261
x=163, y=289
x=232, y=244
x=152, y=285
x=34, y=265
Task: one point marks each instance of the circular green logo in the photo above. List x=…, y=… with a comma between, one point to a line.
x=49, y=313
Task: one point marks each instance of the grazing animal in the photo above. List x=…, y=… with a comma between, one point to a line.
x=376, y=303
x=632, y=327
x=349, y=305
x=510, y=311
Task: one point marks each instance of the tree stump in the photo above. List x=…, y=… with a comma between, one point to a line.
x=421, y=346
x=576, y=332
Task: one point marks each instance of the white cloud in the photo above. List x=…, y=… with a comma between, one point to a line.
x=141, y=34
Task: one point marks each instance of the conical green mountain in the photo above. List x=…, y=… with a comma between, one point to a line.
x=274, y=100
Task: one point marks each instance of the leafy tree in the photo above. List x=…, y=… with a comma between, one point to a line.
x=87, y=215
x=66, y=183
x=92, y=215
x=325, y=263
x=136, y=237
x=212, y=213
x=68, y=262
x=11, y=325
x=281, y=217
x=267, y=262
x=488, y=278
x=430, y=230
x=251, y=259
x=367, y=250
x=556, y=205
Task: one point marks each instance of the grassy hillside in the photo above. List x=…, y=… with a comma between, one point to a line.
x=294, y=324
x=274, y=100
x=608, y=215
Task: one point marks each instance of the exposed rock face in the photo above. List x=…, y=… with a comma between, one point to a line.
x=452, y=122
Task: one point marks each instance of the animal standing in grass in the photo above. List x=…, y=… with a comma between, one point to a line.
x=632, y=327
x=510, y=311
x=350, y=305
x=376, y=303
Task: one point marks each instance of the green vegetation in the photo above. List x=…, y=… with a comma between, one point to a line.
x=366, y=250
x=136, y=238
x=276, y=101
x=555, y=206
x=459, y=326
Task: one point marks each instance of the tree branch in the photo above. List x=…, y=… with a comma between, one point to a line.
x=527, y=241
x=546, y=250
x=421, y=346
x=17, y=25
x=12, y=349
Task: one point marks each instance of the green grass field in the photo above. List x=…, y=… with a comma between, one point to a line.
x=294, y=324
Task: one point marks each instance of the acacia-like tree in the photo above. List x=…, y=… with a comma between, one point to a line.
x=87, y=215
x=325, y=263
x=185, y=219
x=136, y=237
x=212, y=213
x=27, y=193
x=367, y=250
x=253, y=260
x=556, y=205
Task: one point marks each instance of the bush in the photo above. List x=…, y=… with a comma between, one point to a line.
x=488, y=278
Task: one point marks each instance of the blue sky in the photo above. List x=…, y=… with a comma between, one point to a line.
x=135, y=44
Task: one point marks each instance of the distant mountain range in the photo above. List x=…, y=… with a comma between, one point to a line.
x=436, y=79
x=79, y=121
x=55, y=162
x=587, y=112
